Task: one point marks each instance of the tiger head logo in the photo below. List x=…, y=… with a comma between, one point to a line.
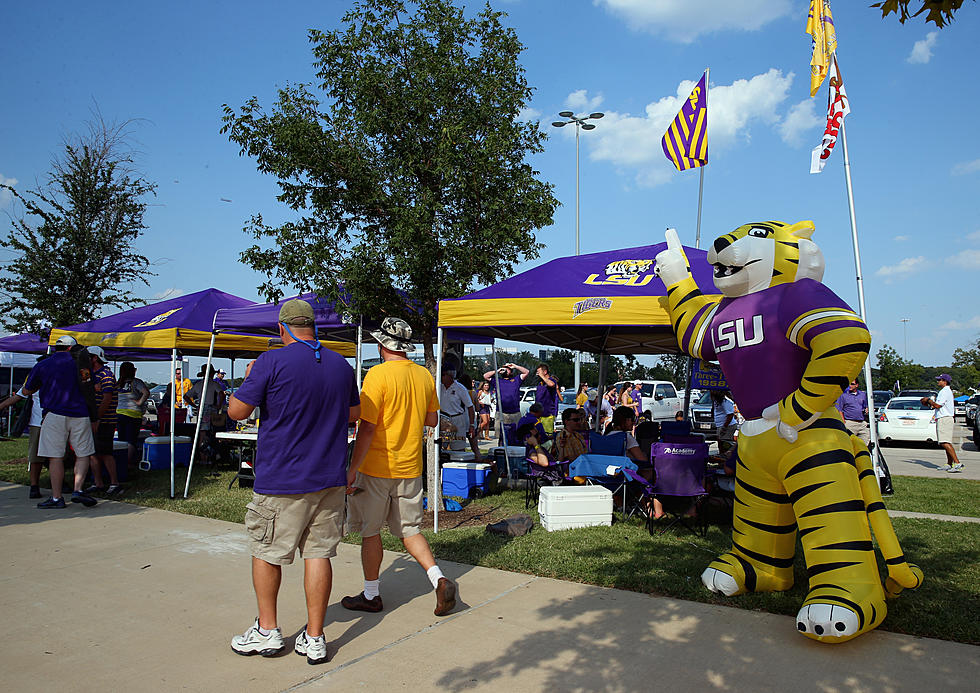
x=760, y=255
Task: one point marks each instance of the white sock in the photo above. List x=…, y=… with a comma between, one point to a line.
x=434, y=574
x=372, y=588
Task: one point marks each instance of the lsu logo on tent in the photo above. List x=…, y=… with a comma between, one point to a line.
x=158, y=319
x=590, y=304
x=625, y=273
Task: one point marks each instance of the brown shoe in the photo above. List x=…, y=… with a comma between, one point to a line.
x=362, y=603
x=445, y=596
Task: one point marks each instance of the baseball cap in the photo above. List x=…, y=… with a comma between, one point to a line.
x=221, y=371
x=297, y=312
x=97, y=352
x=944, y=376
x=66, y=340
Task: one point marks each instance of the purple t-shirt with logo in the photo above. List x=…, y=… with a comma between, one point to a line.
x=305, y=406
x=55, y=379
x=851, y=405
x=547, y=397
x=748, y=337
x=510, y=393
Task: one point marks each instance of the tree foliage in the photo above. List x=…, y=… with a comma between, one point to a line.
x=72, y=251
x=408, y=171
x=939, y=12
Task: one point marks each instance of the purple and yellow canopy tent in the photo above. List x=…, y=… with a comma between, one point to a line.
x=603, y=303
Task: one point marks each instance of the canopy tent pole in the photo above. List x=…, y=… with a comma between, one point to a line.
x=358, y=359
x=173, y=414
x=434, y=490
x=10, y=414
x=233, y=372
x=200, y=413
x=601, y=389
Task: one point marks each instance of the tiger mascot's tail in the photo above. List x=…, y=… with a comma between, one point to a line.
x=901, y=573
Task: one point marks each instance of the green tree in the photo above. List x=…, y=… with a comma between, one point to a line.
x=675, y=365
x=966, y=366
x=409, y=171
x=939, y=12
x=893, y=368
x=72, y=252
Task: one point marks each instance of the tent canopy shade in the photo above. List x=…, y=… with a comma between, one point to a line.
x=609, y=302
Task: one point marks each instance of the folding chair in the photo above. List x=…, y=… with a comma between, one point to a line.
x=644, y=493
x=536, y=475
x=679, y=483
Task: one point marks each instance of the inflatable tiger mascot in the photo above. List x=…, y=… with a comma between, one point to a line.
x=788, y=347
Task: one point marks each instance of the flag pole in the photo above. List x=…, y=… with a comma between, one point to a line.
x=863, y=311
x=697, y=244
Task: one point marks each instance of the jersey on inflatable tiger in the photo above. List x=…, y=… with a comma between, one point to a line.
x=788, y=347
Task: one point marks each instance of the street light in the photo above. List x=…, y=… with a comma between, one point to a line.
x=905, y=330
x=581, y=123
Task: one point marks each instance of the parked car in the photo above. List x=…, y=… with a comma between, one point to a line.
x=906, y=419
x=702, y=418
x=881, y=398
x=659, y=399
x=959, y=408
x=156, y=394
x=918, y=393
x=971, y=409
x=527, y=399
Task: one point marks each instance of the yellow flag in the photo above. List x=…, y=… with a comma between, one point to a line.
x=820, y=26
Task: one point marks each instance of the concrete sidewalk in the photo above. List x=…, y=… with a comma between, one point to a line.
x=122, y=597
x=921, y=459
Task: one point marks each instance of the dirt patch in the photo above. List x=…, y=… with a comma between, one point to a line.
x=470, y=516
x=19, y=460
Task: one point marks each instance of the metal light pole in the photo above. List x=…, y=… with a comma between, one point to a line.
x=580, y=123
x=905, y=331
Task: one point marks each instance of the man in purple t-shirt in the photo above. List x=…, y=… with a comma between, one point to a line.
x=507, y=381
x=853, y=406
x=546, y=394
x=308, y=398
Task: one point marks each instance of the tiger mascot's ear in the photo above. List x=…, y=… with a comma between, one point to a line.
x=811, y=258
x=802, y=229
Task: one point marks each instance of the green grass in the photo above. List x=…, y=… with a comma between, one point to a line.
x=625, y=556
x=954, y=496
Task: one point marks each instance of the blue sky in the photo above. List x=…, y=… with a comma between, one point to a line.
x=914, y=144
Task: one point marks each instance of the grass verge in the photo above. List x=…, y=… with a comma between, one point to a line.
x=953, y=496
x=625, y=556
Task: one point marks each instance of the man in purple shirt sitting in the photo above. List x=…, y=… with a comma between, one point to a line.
x=507, y=381
x=853, y=406
x=308, y=398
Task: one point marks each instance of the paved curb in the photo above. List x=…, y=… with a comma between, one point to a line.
x=933, y=516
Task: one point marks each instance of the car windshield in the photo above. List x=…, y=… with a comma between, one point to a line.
x=568, y=397
x=908, y=405
x=882, y=397
x=705, y=397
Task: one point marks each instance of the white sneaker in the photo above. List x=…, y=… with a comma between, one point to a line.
x=315, y=649
x=958, y=467
x=252, y=642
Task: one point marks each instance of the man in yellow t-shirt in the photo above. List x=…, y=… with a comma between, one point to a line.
x=384, y=481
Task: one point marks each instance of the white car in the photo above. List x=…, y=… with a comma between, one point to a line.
x=659, y=399
x=906, y=419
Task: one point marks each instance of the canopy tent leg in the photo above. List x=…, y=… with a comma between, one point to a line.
x=173, y=415
x=434, y=490
x=10, y=414
x=233, y=373
x=200, y=413
x=358, y=359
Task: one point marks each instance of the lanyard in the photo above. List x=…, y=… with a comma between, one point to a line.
x=313, y=344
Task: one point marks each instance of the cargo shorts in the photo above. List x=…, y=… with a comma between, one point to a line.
x=399, y=501
x=278, y=525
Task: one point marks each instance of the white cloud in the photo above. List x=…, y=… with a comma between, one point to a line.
x=922, y=50
x=901, y=239
x=683, y=21
x=5, y=196
x=580, y=101
x=973, y=236
x=971, y=324
x=528, y=113
x=965, y=167
x=172, y=292
x=969, y=259
x=909, y=265
x=633, y=141
x=801, y=117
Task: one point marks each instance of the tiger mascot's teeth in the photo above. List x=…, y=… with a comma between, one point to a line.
x=789, y=346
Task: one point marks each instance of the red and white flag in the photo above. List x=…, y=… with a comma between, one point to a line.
x=837, y=107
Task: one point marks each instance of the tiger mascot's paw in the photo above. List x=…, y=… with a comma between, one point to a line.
x=671, y=264
x=720, y=583
x=828, y=622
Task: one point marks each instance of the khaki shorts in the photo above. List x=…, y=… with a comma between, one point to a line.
x=278, y=525
x=57, y=431
x=399, y=501
x=944, y=429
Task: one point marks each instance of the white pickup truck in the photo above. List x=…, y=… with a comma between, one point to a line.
x=660, y=399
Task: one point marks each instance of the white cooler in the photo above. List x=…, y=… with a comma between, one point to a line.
x=567, y=507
